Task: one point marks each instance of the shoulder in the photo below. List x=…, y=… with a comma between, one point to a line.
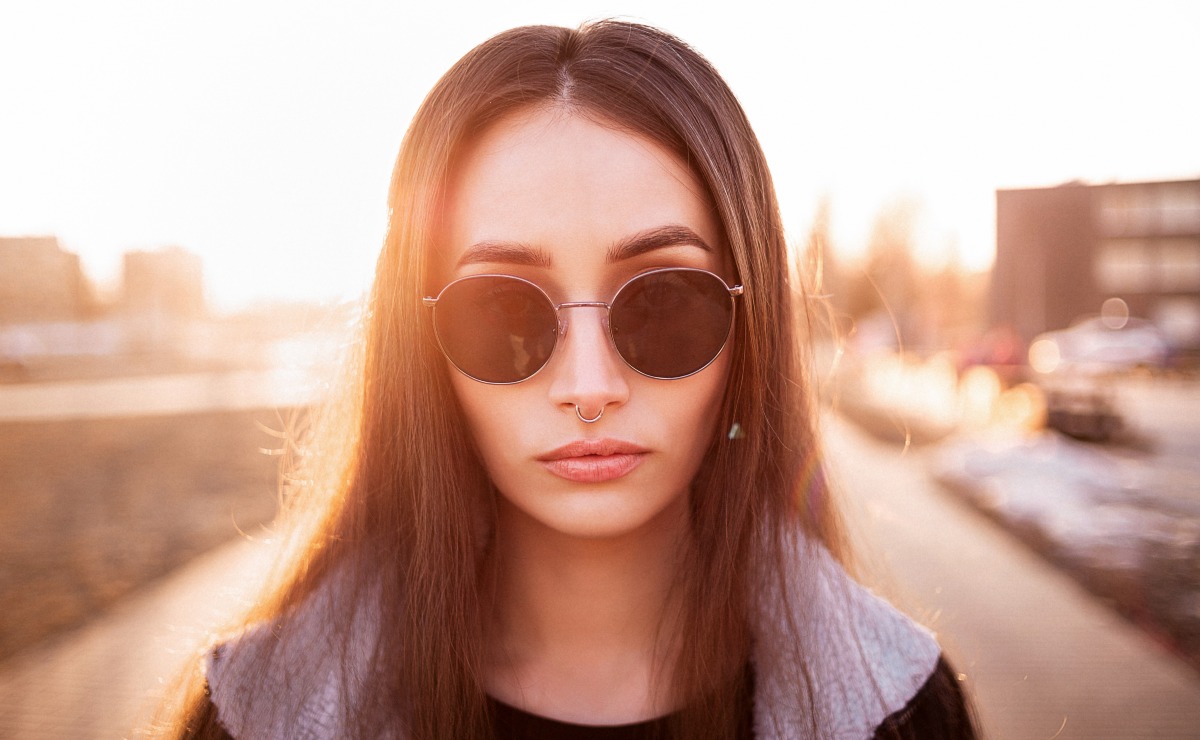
x=832, y=658
x=299, y=674
x=939, y=710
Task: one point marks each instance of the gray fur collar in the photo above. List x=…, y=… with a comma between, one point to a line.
x=866, y=661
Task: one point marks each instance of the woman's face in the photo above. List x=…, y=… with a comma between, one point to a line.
x=552, y=197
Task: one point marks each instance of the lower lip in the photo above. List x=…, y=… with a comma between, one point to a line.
x=594, y=468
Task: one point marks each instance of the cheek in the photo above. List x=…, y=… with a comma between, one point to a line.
x=478, y=410
x=491, y=414
x=698, y=411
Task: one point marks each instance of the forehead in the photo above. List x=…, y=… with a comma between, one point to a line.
x=565, y=187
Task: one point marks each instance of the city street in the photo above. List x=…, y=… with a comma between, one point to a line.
x=1042, y=658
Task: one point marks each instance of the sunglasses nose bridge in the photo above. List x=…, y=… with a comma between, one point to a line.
x=561, y=315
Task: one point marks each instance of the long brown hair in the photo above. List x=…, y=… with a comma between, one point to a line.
x=404, y=514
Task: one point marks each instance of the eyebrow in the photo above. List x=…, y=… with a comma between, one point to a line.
x=509, y=253
x=657, y=238
x=516, y=253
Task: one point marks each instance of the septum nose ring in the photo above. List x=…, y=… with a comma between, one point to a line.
x=585, y=420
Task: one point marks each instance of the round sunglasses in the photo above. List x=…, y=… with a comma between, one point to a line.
x=666, y=324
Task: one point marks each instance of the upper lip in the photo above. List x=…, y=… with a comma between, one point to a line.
x=584, y=447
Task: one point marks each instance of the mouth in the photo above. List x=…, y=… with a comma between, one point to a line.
x=593, y=460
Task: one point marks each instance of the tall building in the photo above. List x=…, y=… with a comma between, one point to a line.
x=1062, y=251
x=39, y=281
x=166, y=282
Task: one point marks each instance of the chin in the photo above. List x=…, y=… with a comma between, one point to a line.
x=595, y=515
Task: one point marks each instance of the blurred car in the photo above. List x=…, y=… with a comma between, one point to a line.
x=1095, y=346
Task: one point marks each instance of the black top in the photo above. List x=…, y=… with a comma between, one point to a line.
x=511, y=723
x=937, y=711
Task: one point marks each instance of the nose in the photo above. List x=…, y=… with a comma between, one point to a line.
x=586, y=371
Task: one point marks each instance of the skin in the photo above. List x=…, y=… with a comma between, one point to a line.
x=584, y=568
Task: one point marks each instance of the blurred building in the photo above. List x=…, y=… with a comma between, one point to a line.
x=40, y=282
x=166, y=282
x=1062, y=251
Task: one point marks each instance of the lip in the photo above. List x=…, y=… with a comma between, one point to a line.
x=593, y=460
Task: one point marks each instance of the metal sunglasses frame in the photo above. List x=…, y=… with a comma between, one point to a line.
x=560, y=328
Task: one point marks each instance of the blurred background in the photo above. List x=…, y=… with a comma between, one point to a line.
x=995, y=208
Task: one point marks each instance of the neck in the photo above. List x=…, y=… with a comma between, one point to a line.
x=581, y=627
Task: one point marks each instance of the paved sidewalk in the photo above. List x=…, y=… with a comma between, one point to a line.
x=104, y=680
x=1042, y=657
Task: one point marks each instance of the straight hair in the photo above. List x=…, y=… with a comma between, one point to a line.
x=394, y=503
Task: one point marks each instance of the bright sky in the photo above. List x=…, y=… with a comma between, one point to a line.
x=260, y=134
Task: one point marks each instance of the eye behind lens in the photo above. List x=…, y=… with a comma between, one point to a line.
x=671, y=323
x=495, y=328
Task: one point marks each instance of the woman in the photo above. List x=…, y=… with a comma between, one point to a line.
x=581, y=490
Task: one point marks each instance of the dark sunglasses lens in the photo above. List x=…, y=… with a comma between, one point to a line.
x=673, y=323
x=495, y=329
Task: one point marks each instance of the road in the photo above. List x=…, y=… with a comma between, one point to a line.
x=1043, y=658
